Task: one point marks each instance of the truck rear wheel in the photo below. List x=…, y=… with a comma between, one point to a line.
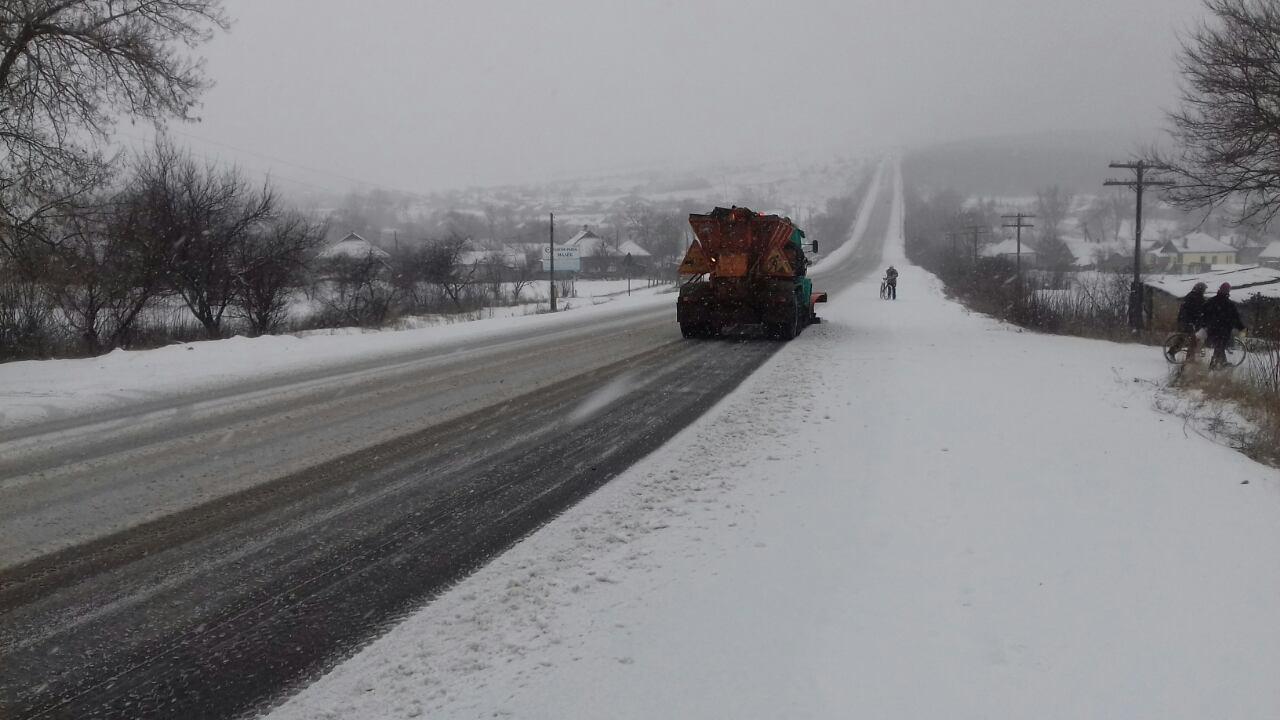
x=789, y=327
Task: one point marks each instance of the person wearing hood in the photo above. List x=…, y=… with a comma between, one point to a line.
x=1221, y=317
x=1191, y=319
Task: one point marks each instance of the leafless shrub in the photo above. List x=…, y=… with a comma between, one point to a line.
x=360, y=291
x=524, y=274
x=27, y=324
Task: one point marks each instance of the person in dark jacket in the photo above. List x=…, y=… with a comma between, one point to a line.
x=1190, y=320
x=891, y=282
x=1221, y=317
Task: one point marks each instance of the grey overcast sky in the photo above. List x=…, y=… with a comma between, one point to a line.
x=429, y=94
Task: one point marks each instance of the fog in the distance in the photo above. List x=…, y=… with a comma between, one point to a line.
x=427, y=95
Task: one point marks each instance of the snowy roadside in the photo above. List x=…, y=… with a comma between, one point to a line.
x=37, y=390
x=910, y=511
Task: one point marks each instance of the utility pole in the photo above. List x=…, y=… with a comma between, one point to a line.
x=551, y=242
x=1018, y=218
x=1139, y=183
x=977, y=230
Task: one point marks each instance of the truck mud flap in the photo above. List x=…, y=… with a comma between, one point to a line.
x=814, y=299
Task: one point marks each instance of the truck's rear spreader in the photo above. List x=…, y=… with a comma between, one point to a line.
x=745, y=268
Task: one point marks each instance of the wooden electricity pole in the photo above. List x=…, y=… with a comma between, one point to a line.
x=1018, y=218
x=551, y=242
x=1139, y=183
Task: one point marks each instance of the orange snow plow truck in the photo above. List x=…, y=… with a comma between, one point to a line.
x=745, y=268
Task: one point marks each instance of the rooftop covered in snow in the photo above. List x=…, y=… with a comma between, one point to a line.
x=354, y=246
x=1246, y=281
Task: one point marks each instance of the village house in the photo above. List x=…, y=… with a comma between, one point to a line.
x=1270, y=255
x=509, y=260
x=600, y=257
x=355, y=247
x=1008, y=249
x=1196, y=252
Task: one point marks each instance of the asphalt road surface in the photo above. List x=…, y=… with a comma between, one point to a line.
x=198, y=558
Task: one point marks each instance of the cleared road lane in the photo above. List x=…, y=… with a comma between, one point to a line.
x=333, y=505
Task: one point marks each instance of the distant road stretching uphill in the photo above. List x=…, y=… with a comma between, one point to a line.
x=348, y=497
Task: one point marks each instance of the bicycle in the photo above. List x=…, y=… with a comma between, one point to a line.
x=888, y=290
x=1176, y=344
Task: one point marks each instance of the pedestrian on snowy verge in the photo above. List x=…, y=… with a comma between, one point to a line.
x=1221, y=317
x=891, y=282
x=1191, y=320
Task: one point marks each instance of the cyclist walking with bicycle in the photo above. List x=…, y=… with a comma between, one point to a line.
x=1221, y=317
x=890, y=284
x=1191, y=320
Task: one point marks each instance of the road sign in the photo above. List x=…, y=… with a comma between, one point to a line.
x=568, y=258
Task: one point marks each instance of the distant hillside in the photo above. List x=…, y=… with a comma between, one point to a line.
x=1019, y=164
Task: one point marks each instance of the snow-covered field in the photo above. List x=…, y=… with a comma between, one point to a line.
x=909, y=512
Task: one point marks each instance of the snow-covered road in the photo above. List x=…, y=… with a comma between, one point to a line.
x=909, y=512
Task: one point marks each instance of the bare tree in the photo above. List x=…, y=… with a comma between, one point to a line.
x=1228, y=124
x=68, y=69
x=199, y=215
x=100, y=276
x=440, y=267
x=405, y=274
x=1092, y=220
x=1052, y=205
x=493, y=273
x=269, y=264
x=1120, y=208
x=524, y=273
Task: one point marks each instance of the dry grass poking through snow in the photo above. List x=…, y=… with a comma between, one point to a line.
x=1240, y=406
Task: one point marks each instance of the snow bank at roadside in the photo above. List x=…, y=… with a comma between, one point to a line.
x=38, y=390
x=909, y=512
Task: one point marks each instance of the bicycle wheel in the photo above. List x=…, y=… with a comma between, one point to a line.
x=1175, y=348
x=1235, y=352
